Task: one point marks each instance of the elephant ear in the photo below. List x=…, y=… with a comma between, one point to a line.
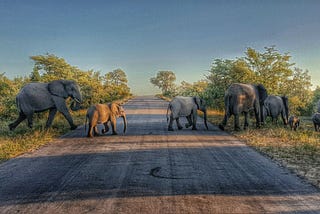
x=197, y=102
x=115, y=108
x=57, y=88
x=263, y=94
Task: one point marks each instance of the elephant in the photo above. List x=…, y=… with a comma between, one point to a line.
x=38, y=97
x=241, y=98
x=274, y=106
x=186, y=107
x=294, y=122
x=103, y=114
x=316, y=121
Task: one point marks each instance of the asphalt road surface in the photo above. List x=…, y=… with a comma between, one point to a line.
x=151, y=170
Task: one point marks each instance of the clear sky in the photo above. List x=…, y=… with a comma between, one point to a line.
x=143, y=37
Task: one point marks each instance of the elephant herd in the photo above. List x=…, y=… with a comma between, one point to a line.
x=239, y=99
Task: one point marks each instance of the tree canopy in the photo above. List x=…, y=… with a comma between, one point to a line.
x=95, y=88
x=164, y=80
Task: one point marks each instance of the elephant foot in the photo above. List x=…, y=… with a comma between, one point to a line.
x=170, y=129
x=187, y=125
x=221, y=127
x=73, y=127
x=194, y=128
x=114, y=133
x=180, y=127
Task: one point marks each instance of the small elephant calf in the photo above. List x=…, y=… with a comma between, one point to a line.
x=294, y=122
x=103, y=114
x=316, y=121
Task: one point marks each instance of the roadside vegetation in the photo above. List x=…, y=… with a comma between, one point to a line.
x=95, y=88
x=297, y=150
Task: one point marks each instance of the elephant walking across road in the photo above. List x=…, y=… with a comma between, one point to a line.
x=103, y=114
x=316, y=121
x=274, y=106
x=186, y=107
x=241, y=98
x=38, y=97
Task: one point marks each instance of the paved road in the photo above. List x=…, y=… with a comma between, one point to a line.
x=151, y=170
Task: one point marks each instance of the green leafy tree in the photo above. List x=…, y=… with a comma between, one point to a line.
x=194, y=89
x=116, y=83
x=270, y=68
x=164, y=80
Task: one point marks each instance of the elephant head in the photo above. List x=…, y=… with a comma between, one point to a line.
x=118, y=111
x=65, y=89
x=201, y=106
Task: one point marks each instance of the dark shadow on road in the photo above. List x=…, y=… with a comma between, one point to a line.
x=148, y=173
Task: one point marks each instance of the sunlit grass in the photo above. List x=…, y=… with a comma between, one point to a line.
x=23, y=139
x=298, y=150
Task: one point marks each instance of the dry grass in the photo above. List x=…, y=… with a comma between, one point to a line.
x=24, y=139
x=299, y=151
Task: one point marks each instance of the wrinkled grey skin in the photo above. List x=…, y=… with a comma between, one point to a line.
x=241, y=98
x=39, y=97
x=294, y=122
x=186, y=107
x=316, y=121
x=275, y=106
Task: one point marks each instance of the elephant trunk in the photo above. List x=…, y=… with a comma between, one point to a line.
x=124, y=123
x=75, y=105
x=205, y=118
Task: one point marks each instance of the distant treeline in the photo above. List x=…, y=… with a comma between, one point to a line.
x=270, y=68
x=95, y=88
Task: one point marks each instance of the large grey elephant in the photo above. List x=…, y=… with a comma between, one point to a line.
x=316, y=121
x=38, y=97
x=241, y=98
x=186, y=107
x=275, y=106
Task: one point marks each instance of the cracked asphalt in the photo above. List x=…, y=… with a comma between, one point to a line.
x=151, y=170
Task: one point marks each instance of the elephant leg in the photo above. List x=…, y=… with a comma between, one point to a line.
x=52, y=113
x=246, y=122
x=284, y=119
x=194, y=122
x=257, y=115
x=178, y=124
x=61, y=107
x=96, y=131
x=236, y=123
x=189, y=121
x=170, y=123
x=224, y=121
x=114, y=125
x=90, y=130
x=106, y=127
x=30, y=120
x=21, y=118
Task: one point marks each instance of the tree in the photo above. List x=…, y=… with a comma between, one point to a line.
x=164, y=80
x=194, y=89
x=270, y=68
x=116, y=84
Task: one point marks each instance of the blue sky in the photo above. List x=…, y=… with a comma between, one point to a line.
x=143, y=37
